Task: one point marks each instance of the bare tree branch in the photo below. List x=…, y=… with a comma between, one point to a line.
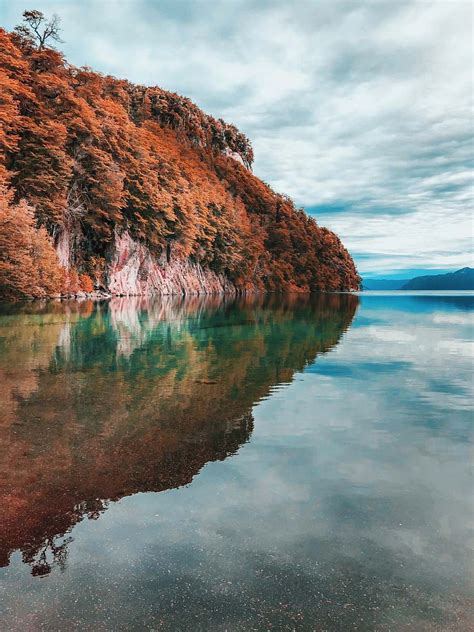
x=37, y=30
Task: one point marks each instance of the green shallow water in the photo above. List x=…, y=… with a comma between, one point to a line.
x=205, y=464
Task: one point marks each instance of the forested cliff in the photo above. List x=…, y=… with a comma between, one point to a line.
x=133, y=190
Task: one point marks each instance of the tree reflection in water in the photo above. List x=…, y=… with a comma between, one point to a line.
x=104, y=400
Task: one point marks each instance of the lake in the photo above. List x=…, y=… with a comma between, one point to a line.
x=285, y=463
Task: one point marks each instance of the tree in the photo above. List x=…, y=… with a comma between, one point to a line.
x=29, y=266
x=37, y=30
x=86, y=283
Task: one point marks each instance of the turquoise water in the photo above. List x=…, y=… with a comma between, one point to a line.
x=274, y=463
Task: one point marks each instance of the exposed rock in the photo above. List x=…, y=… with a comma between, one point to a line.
x=133, y=270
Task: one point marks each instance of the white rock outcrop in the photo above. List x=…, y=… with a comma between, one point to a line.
x=132, y=270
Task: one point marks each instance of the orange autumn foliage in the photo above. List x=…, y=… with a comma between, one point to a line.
x=102, y=155
x=86, y=283
x=29, y=267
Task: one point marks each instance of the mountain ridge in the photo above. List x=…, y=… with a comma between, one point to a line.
x=462, y=279
x=383, y=284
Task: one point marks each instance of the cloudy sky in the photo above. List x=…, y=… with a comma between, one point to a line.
x=360, y=111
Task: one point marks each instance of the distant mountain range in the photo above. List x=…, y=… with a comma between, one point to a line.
x=460, y=280
x=383, y=284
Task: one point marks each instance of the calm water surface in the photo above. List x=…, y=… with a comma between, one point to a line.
x=285, y=464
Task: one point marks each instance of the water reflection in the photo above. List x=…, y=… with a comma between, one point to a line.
x=104, y=400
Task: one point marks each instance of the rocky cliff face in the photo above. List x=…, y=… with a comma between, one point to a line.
x=133, y=271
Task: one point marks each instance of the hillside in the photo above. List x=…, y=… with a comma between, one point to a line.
x=139, y=192
x=460, y=280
